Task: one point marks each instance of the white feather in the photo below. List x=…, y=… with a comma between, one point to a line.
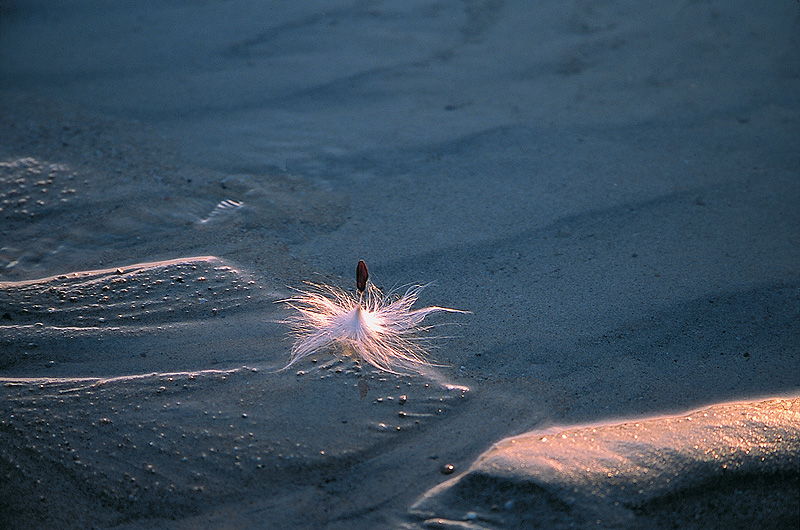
x=382, y=330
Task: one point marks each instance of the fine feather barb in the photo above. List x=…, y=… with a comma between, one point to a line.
x=380, y=329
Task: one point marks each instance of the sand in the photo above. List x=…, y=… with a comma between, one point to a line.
x=730, y=465
x=610, y=188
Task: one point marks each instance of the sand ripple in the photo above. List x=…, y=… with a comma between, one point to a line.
x=86, y=400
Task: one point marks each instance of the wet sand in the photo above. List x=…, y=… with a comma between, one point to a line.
x=611, y=190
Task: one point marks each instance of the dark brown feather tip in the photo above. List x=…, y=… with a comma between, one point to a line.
x=362, y=274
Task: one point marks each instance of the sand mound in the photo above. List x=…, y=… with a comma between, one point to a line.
x=729, y=466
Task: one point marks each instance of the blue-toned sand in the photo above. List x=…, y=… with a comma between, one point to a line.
x=610, y=188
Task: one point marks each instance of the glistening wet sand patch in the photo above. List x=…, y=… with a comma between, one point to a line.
x=164, y=444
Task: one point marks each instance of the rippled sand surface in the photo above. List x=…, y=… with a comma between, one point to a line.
x=128, y=382
x=609, y=188
x=166, y=445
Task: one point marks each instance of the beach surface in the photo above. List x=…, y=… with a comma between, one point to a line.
x=610, y=189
